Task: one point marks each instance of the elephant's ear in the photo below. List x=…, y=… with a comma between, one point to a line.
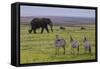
x=35, y=20
x=49, y=21
x=31, y=21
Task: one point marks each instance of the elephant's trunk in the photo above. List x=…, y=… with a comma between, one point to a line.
x=51, y=26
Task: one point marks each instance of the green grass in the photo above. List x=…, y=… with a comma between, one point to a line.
x=36, y=48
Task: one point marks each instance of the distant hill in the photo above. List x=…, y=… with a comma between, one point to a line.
x=58, y=20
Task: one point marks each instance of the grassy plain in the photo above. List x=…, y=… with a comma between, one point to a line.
x=37, y=48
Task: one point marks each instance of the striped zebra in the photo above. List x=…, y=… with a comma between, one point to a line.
x=59, y=43
x=74, y=45
x=87, y=45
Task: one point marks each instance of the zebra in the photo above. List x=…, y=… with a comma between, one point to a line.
x=87, y=45
x=74, y=44
x=59, y=43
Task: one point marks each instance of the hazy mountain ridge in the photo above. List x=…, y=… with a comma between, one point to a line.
x=61, y=20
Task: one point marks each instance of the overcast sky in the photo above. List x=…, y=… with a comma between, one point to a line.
x=53, y=11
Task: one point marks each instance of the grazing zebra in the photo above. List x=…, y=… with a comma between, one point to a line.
x=74, y=44
x=59, y=43
x=87, y=45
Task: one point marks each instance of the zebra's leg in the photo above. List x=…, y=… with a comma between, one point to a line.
x=78, y=50
x=74, y=51
x=58, y=51
x=86, y=50
x=71, y=50
x=55, y=51
x=90, y=50
x=64, y=50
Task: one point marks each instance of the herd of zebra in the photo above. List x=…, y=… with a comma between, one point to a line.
x=61, y=43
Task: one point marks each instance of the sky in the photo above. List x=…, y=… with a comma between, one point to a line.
x=54, y=11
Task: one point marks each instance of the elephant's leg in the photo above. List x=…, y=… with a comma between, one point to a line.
x=30, y=30
x=42, y=29
x=47, y=29
x=34, y=30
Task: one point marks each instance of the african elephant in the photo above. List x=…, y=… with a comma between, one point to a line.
x=42, y=23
